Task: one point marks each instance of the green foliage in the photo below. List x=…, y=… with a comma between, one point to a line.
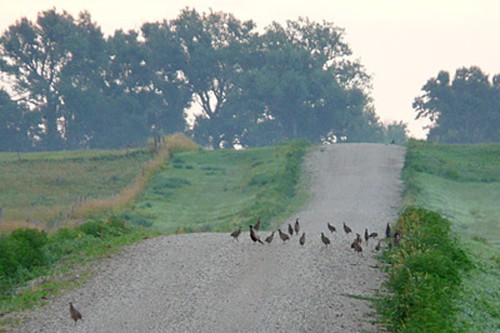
x=462, y=182
x=22, y=250
x=464, y=110
x=28, y=254
x=99, y=229
x=60, y=181
x=297, y=80
x=463, y=163
x=425, y=274
x=222, y=189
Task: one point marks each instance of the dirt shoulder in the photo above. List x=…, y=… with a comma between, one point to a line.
x=210, y=283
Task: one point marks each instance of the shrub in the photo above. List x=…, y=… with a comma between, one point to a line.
x=425, y=274
x=23, y=249
x=99, y=229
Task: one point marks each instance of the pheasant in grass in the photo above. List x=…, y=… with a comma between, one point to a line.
x=388, y=231
x=331, y=227
x=257, y=225
x=367, y=236
x=290, y=229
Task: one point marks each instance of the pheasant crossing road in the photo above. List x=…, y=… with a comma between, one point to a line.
x=211, y=283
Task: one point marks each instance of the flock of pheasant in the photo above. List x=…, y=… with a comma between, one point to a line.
x=295, y=229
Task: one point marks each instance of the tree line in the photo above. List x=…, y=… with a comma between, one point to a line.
x=463, y=110
x=70, y=87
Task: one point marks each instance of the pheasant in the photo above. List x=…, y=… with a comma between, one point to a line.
x=331, y=227
x=347, y=229
x=235, y=234
x=297, y=226
x=325, y=239
x=290, y=229
x=367, y=236
x=388, y=231
x=284, y=237
x=75, y=314
x=254, y=236
x=257, y=225
x=269, y=238
x=356, y=246
x=302, y=239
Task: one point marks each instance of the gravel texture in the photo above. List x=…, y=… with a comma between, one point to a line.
x=211, y=283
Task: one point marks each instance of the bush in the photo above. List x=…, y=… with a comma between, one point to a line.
x=99, y=229
x=425, y=274
x=23, y=249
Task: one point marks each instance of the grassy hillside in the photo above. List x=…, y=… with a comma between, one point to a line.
x=42, y=188
x=193, y=190
x=462, y=183
x=219, y=190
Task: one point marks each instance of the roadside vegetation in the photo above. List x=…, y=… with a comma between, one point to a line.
x=170, y=193
x=221, y=190
x=444, y=277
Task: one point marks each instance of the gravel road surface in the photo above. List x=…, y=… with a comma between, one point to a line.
x=211, y=283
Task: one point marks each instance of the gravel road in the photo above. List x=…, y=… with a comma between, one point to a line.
x=211, y=283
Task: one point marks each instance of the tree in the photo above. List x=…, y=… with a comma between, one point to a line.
x=213, y=45
x=396, y=132
x=169, y=95
x=16, y=131
x=465, y=110
x=35, y=54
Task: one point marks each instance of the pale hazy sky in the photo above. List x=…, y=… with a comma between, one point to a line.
x=401, y=43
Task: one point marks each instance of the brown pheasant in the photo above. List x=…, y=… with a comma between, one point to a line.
x=269, y=238
x=347, y=229
x=257, y=225
x=75, y=314
x=302, y=239
x=297, y=226
x=235, y=234
x=284, y=237
x=254, y=236
x=325, y=239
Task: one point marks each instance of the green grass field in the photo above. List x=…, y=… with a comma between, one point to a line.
x=462, y=183
x=194, y=190
x=42, y=187
x=219, y=190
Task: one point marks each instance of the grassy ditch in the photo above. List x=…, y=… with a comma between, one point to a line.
x=219, y=190
x=55, y=262
x=461, y=183
x=425, y=274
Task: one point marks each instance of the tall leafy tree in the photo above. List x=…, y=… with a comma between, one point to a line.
x=16, y=126
x=213, y=45
x=168, y=94
x=35, y=54
x=464, y=110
